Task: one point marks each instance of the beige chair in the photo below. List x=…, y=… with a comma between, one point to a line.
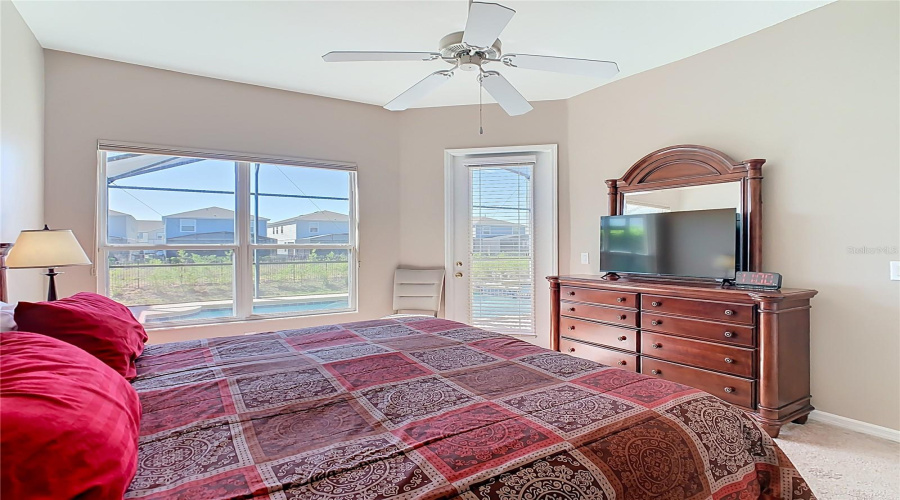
x=418, y=291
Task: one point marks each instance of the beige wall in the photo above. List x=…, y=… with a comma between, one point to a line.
x=425, y=134
x=89, y=99
x=21, y=141
x=818, y=97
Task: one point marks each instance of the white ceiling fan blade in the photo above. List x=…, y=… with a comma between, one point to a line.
x=485, y=23
x=505, y=94
x=419, y=90
x=352, y=56
x=584, y=67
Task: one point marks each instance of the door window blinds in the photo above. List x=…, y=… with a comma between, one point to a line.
x=501, y=248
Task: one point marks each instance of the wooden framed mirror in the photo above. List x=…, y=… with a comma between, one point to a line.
x=691, y=177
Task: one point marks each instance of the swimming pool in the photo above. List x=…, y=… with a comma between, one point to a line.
x=483, y=306
x=226, y=312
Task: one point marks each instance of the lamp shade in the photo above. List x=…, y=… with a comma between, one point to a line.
x=46, y=248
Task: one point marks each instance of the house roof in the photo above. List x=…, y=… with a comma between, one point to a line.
x=206, y=213
x=495, y=222
x=116, y=213
x=145, y=226
x=317, y=216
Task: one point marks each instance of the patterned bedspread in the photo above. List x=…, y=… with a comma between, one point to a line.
x=427, y=408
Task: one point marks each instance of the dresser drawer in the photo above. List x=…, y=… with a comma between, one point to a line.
x=624, y=317
x=707, y=330
x=719, y=357
x=735, y=390
x=600, y=355
x=718, y=311
x=603, y=297
x=596, y=333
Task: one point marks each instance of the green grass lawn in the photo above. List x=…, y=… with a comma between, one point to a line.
x=180, y=283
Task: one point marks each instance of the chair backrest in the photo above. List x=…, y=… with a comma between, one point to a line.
x=418, y=290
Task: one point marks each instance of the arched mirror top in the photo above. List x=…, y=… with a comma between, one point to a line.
x=688, y=166
x=685, y=165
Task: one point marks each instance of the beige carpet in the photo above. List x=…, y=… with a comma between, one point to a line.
x=839, y=464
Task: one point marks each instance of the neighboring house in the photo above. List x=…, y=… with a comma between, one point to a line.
x=495, y=236
x=121, y=227
x=151, y=232
x=206, y=225
x=323, y=226
x=209, y=225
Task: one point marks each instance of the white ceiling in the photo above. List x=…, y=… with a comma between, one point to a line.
x=280, y=44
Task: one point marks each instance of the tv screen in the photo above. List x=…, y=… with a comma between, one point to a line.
x=697, y=244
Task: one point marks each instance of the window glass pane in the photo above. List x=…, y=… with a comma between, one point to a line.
x=177, y=204
x=173, y=285
x=182, y=201
x=501, y=274
x=299, y=204
x=300, y=280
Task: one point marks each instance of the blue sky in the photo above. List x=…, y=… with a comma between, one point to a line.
x=502, y=193
x=219, y=175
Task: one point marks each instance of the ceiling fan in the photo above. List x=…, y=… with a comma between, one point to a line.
x=471, y=50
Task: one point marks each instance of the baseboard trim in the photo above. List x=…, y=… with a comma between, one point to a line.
x=855, y=425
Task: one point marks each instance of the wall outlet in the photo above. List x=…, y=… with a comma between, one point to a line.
x=585, y=258
x=895, y=270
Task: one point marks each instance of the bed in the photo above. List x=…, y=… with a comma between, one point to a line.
x=419, y=407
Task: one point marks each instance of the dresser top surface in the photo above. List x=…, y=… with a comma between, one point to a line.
x=687, y=288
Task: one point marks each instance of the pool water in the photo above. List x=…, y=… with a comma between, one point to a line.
x=484, y=306
x=260, y=309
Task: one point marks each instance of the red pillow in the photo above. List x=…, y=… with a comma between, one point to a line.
x=99, y=325
x=68, y=423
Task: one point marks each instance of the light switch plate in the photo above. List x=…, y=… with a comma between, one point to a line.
x=895, y=270
x=585, y=258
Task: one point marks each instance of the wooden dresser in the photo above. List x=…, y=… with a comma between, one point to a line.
x=750, y=348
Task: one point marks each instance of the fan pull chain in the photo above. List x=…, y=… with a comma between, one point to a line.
x=480, y=107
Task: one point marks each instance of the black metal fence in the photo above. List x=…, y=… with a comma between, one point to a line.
x=275, y=278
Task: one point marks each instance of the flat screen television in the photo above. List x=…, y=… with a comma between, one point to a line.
x=695, y=244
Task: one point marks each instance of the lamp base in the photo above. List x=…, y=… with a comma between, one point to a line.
x=51, y=292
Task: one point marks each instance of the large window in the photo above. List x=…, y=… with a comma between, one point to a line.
x=234, y=235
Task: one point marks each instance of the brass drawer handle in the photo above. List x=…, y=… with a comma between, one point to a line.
x=729, y=390
x=620, y=299
x=571, y=349
x=655, y=372
x=572, y=309
x=729, y=360
x=623, y=338
x=656, y=304
x=729, y=334
x=729, y=312
x=656, y=345
x=622, y=316
x=655, y=322
x=622, y=363
x=571, y=293
x=571, y=327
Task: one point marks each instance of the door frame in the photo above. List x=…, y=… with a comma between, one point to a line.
x=546, y=156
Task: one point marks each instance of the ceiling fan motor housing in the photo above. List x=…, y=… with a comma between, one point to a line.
x=469, y=58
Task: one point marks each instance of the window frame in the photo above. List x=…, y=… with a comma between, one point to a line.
x=242, y=248
x=181, y=225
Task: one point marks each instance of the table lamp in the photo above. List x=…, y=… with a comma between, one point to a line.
x=47, y=248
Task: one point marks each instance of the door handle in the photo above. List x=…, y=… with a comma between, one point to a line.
x=458, y=275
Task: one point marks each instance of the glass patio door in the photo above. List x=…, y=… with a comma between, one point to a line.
x=499, y=212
